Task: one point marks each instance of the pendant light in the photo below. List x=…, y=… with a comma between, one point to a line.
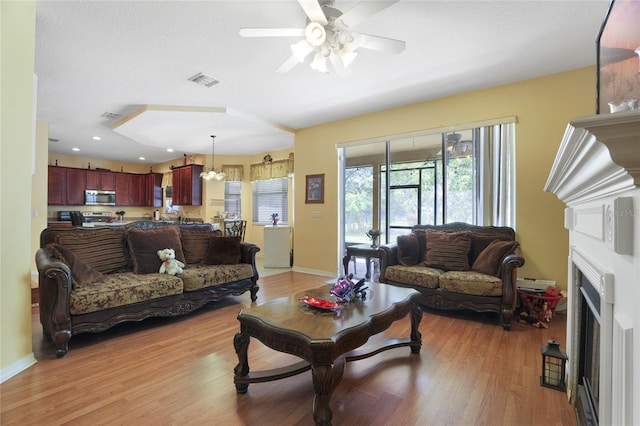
x=212, y=174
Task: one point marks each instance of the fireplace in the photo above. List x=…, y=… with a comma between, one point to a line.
x=596, y=173
x=588, y=356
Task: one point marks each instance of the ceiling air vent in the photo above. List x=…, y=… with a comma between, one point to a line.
x=53, y=140
x=204, y=80
x=110, y=115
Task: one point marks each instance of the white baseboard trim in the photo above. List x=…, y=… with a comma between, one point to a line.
x=18, y=367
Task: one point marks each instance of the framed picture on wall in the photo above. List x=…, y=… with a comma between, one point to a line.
x=314, y=192
x=618, y=60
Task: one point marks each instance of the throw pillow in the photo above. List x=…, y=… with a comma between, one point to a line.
x=490, y=259
x=448, y=250
x=102, y=249
x=144, y=244
x=480, y=242
x=223, y=251
x=408, y=249
x=195, y=243
x=421, y=235
x=81, y=273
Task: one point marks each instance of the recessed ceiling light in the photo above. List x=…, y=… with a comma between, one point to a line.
x=169, y=149
x=96, y=138
x=141, y=158
x=75, y=149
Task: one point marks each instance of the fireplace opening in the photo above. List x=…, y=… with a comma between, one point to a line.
x=588, y=392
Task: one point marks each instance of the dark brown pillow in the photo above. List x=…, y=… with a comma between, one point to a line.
x=223, y=251
x=490, y=259
x=480, y=242
x=81, y=273
x=144, y=244
x=448, y=250
x=102, y=249
x=195, y=243
x=408, y=249
x=421, y=235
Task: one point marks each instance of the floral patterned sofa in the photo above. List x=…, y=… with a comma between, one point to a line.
x=91, y=279
x=457, y=266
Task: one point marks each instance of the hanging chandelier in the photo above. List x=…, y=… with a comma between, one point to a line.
x=212, y=174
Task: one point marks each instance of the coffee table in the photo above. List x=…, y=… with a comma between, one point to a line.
x=324, y=339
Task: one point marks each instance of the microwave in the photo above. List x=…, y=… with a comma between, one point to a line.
x=94, y=197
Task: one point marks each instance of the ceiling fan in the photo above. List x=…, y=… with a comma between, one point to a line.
x=328, y=34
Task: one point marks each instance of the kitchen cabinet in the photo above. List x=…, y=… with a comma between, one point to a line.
x=65, y=186
x=153, y=189
x=277, y=246
x=57, y=186
x=101, y=179
x=187, y=185
x=75, y=186
x=130, y=189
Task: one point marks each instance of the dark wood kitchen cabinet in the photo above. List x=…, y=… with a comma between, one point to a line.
x=187, y=186
x=153, y=189
x=65, y=186
x=130, y=189
x=104, y=180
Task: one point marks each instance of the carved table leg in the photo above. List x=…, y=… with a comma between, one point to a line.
x=241, y=345
x=416, y=337
x=323, y=385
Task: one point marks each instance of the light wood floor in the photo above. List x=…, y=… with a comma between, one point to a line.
x=179, y=371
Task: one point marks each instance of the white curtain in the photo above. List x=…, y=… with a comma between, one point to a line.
x=497, y=178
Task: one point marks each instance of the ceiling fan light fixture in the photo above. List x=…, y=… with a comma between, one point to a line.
x=347, y=57
x=319, y=62
x=315, y=34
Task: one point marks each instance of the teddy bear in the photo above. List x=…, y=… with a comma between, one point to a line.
x=170, y=265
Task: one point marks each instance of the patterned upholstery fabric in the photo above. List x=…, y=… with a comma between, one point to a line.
x=418, y=275
x=102, y=249
x=195, y=243
x=469, y=282
x=201, y=276
x=123, y=289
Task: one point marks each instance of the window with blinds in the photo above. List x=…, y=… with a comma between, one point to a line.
x=270, y=196
x=232, y=197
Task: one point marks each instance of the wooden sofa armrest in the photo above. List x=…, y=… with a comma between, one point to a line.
x=508, y=273
x=388, y=257
x=54, y=292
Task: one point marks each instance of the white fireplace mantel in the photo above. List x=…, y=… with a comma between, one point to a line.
x=599, y=156
x=596, y=173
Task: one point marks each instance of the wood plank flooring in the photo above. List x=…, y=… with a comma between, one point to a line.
x=179, y=371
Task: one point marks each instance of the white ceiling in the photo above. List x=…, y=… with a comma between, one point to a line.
x=96, y=57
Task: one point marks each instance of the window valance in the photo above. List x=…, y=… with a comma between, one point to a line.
x=234, y=172
x=271, y=170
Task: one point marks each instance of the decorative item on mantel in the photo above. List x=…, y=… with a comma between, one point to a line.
x=554, y=361
x=373, y=235
x=274, y=219
x=346, y=290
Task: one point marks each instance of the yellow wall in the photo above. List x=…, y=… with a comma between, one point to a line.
x=17, y=45
x=543, y=107
x=39, y=191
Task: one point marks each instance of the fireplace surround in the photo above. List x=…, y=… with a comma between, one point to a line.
x=596, y=173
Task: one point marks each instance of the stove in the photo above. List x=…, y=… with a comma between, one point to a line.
x=93, y=217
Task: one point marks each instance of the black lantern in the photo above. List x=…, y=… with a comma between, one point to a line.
x=554, y=362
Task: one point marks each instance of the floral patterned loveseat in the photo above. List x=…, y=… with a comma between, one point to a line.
x=91, y=279
x=457, y=266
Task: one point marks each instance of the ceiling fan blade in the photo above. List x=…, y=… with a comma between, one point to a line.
x=362, y=11
x=382, y=44
x=288, y=64
x=314, y=11
x=271, y=32
x=338, y=66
